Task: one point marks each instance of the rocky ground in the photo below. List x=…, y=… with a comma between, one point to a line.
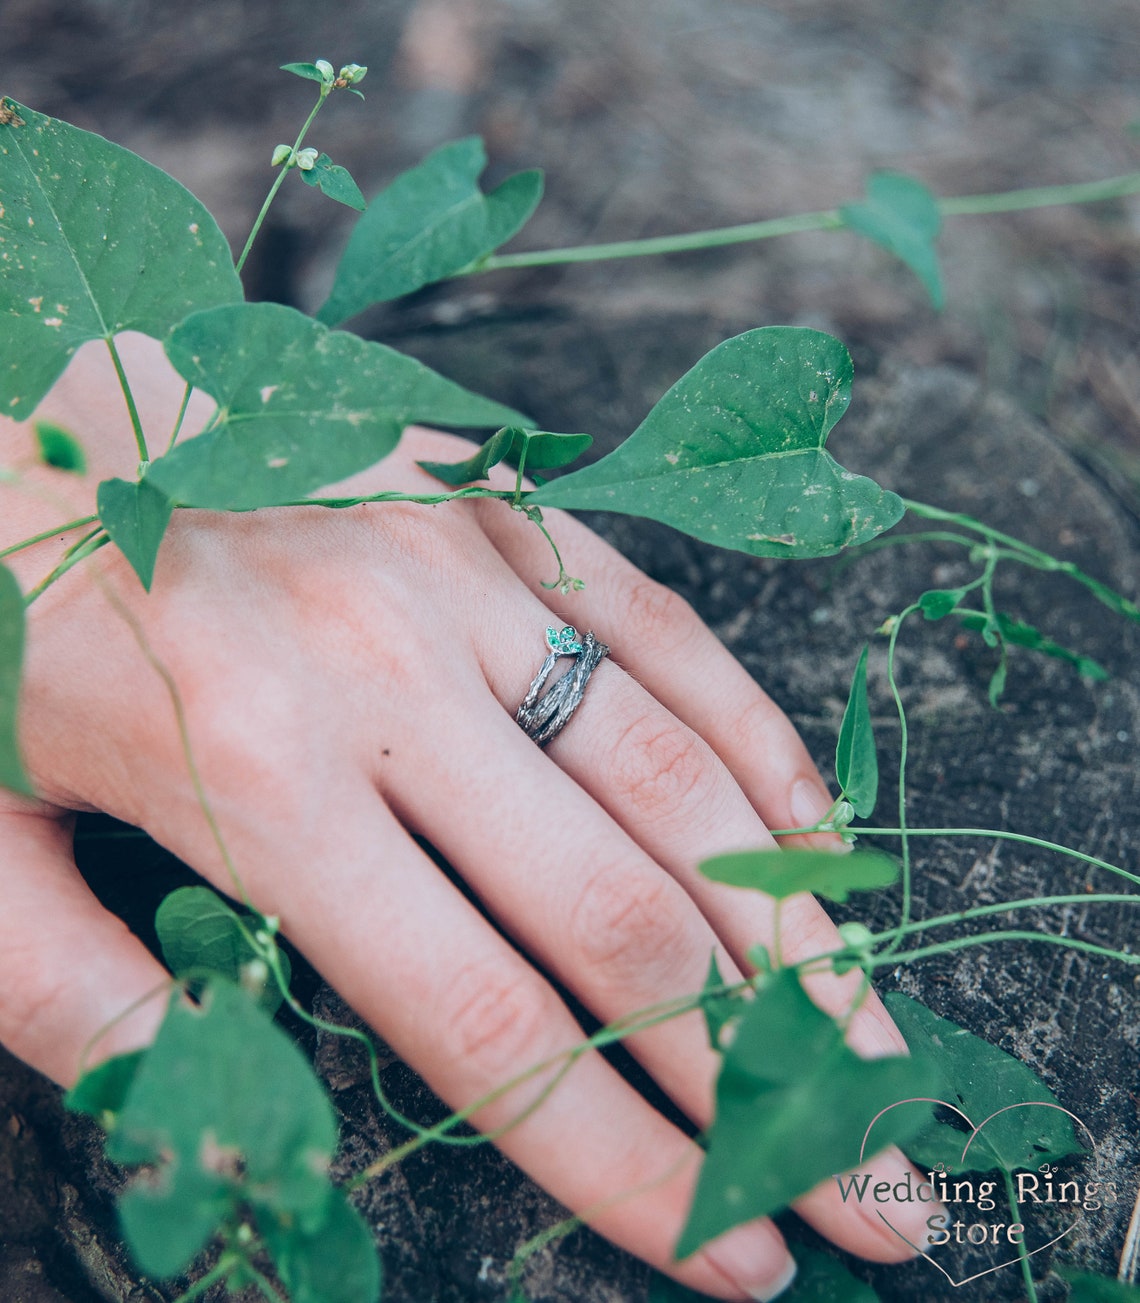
x=1019, y=403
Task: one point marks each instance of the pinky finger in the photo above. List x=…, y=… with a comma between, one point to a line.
x=73, y=978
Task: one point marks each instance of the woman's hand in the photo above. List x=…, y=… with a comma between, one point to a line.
x=349, y=679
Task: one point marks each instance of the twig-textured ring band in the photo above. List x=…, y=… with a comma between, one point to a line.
x=543, y=716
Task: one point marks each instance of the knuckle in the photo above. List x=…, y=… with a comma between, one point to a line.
x=659, y=767
x=655, y=613
x=630, y=925
x=496, y=1019
x=807, y=927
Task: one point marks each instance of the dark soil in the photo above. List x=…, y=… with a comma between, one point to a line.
x=1020, y=404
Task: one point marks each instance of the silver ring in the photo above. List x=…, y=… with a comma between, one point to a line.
x=543, y=717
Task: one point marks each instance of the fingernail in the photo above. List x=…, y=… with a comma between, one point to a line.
x=809, y=803
x=754, y=1259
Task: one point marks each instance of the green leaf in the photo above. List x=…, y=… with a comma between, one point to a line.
x=309, y=71
x=299, y=406
x=544, y=451
x=59, y=448
x=1019, y=634
x=335, y=1262
x=936, y=603
x=93, y=241
x=1085, y=1288
x=856, y=765
x=135, y=514
x=431, y=222
x=793, y=1105
x=199, y=933
x=225, y=1109
x=734, y=453
x=334, y=181
x=820, y=1278
x=12, y=773
x=103, y=1090
x=902, y=215
x=718, y=1007
x=981, y=1080
x=783, y=873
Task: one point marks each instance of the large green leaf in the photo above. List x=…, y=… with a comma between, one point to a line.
x=335, y=1262
x=135, y=513
x=782, y=873
x=734, y=453
x=430, y=223
x=900, y=214
x=93, y=241
x=981, y=1080
x=226, y=1110
x=299, y=406
x=11, y=661
x=1086, y=1288
x=793, y=1105
x=856, y=764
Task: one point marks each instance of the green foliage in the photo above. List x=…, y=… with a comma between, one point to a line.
x=59, y=448
x=252, y=1129
x=937, y=603
x=300, y=406
x=135, y=513
x=334, y=181
x=102, y=1092
x=93, y=241
x=200, y=934
x=734, y=453
x=718, y=1006
x=1085, y=1288
x=856, y=765
x=307, y=71
x=1019, y=634
x=12, y=773
x=783, y=873
x=981, y=1080
x=902, y=215
x=431, y=222
x=792, y=1106
x=820, y=1278
x=535, y=449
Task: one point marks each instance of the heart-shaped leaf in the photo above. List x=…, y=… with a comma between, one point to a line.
x=782, y=873
x=734, y=453
x=334, y=181
x=856, y=765
x=902, y=215
x=12, y=773
x=59, y=448
x=981, y=1080
x=135, y=514
x=792, y=1106
x=93, y=241
x=299, y=406
x=430, y=223
x=543, y=451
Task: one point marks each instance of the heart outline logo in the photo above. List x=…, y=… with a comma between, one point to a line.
x=974, y=1132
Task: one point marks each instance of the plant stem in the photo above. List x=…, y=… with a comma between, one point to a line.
x=394, y=495
x=181, y=415
x=1008, y=906
x=136, y=423
x=1015, y=1216
x=48, y=533
x=225, y=1264
x=985, y=938
x=84, y=549
x=279, y=180
x=903, y=831
x=829, y=219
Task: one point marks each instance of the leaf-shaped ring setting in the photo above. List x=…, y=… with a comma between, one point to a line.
x=542, y=716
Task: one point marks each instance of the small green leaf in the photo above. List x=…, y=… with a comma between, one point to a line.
x=783, y=873
x=431, y=222
x=12, y=773
x=300, y=406
x=1019, y=634
x=309, y=71
x=103, y=1090
x=820, y=1278
x=252, y=1123
x=334, y=181
x=793, y=1105
x=199, y=933
x=1085, y=1288
x=93, y=241
x=902, y=216
x=544, y=451
x=856, y=765
x=718, y=1007
x=475, y=467
x=135, y=514
x=981, y=1080
x=936, y=603
x=734, y=453
x=59, y=448
x=334, y=1262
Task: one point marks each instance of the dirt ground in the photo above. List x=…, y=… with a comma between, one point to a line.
x=1021, y=399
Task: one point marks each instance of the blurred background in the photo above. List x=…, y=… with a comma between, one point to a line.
x=651, y=117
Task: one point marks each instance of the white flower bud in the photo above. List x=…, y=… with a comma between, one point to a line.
x=352, y=73
x=325, y=69
x=306, y=158
x=282, y=154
